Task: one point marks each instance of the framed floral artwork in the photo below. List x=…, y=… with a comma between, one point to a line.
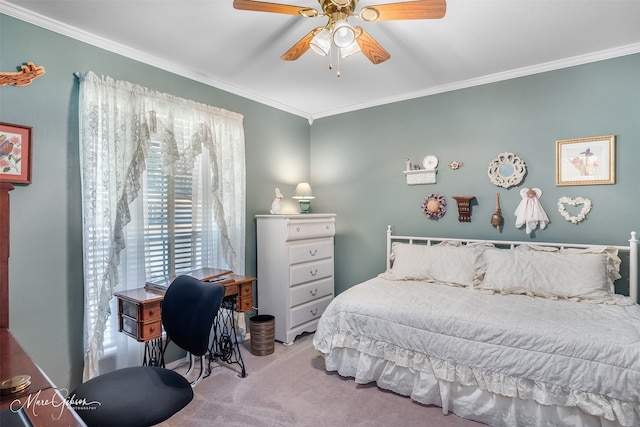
x=15, y=153
x=586, y=161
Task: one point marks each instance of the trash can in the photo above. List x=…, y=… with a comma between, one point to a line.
x=263, y=331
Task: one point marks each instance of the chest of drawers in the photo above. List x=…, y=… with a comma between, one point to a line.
x=295, y=270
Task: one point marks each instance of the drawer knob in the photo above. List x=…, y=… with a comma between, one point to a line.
x=151, y=312
x=313, y=273
x=314, y=292
x=313, y=252
x=314, y=311
x=298, y=229
x=152, y=329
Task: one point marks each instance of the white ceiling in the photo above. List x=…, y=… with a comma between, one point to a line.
x=478, y=41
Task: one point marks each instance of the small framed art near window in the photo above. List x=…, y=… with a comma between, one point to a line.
x=15, y=153
x=586, y=161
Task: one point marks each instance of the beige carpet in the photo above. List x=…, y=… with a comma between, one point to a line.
x=291, y=388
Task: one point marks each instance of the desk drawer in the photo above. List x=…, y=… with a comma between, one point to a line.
x=140, y=331
x=245, y=304
x=311, y=291
x=310, y=250
x=246, y=289
x=311, y=271
x=307, y=312
x=142, y=313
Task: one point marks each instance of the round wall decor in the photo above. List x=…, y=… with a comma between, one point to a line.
x=507, y=170
x=434, y=206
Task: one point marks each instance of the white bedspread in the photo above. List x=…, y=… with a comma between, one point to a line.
x=551, y=351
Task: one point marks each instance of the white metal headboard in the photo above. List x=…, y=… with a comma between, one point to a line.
x=632, y=249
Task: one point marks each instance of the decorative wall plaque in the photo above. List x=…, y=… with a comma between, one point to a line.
x=464, y=207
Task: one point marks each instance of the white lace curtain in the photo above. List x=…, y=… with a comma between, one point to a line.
x=117, y=122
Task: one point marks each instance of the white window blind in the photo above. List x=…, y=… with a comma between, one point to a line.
x=173, y=243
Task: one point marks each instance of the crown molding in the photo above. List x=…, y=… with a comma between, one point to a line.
x=493, y=78
x=137, y=55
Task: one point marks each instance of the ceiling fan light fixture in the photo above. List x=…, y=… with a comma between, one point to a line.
x=321, y=43
x=350, y=50
x=343, y=34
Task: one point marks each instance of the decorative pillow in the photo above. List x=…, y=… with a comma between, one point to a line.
x=579, y=275
x=449, y=263
x=613, y=261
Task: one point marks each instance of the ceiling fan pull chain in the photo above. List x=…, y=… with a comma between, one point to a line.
x=329, y=56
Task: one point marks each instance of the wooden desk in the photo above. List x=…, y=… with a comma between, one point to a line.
x=140, y=317
x=139, y=310
x=42, y=402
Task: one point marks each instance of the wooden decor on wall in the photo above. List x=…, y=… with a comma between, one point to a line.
x=26, y=75
x=464, y=207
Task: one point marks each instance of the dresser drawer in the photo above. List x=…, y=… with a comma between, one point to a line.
x=310, y=271
x=311, y=291
x=310, y=228
x=310, y=250
x=307, y=312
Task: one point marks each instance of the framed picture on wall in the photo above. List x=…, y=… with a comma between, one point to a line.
x=15, y=153
x=586, y=161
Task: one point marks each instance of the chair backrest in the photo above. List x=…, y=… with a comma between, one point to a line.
x=188, y=310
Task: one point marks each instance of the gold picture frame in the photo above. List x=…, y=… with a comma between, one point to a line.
x=586, y=161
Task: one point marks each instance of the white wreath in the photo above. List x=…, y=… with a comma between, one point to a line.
x=586, y=208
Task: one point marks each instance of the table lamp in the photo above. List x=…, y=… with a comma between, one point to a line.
x=304, y=196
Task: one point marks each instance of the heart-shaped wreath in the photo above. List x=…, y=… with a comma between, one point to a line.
x=586, y=208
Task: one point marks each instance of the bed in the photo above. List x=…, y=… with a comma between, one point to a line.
x=504, y=333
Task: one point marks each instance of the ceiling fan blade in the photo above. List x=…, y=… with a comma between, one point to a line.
x=371, y=48
x=298, y=49
x=421, y=9
x=261, y=6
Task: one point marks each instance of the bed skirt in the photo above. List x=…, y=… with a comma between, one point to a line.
x=466, y=397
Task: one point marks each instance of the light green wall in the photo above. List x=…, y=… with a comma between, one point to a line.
x=357, y=160
x=354, y=162
x=45, y=266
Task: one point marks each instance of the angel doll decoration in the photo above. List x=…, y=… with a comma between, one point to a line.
x=529, y=212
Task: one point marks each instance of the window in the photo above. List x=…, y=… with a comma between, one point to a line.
x=163, y=191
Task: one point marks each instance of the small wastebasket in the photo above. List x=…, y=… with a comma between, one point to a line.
x=263, y=331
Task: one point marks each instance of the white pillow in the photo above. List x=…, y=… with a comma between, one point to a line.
x=579, y=275
x=445, y=263
x=613, y=261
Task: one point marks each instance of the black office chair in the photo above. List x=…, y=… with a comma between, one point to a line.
x=147, y=395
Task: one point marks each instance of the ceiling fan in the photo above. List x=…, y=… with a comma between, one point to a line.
x=338, y=32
